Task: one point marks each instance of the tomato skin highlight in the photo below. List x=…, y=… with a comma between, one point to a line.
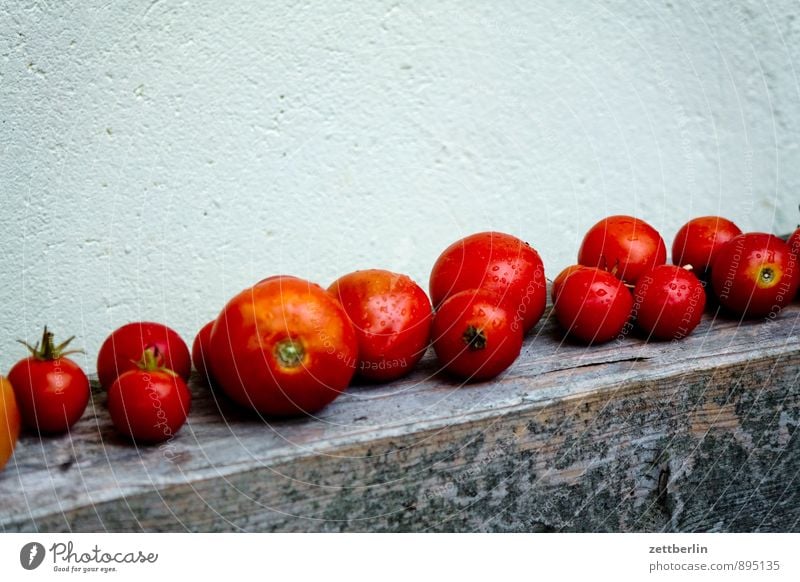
x=496, y=261
x=668, y=302
x=699, y=240
x=51, y=394
x=149, y=406
x=283, y=347
x=200, y=353
x=391, y=316
x=125, y=346
x=474, y=335
x=623, y=245
x=593, y=306
x=755, y=275
x=10, y=421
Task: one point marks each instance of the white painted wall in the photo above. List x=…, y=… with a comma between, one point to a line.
x=159, y=156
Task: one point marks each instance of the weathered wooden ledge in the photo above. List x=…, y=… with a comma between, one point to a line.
x=699, y=435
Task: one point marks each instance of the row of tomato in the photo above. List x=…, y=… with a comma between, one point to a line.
x=286, y=346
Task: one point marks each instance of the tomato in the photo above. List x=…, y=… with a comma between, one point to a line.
x=283, y=347
x=51, y=390
x=623, y=245
x=200, y=352
x=496, y=261
x=9, y=421
x=561, y=277
x=755, y=275
x=794, y=242
x=474, y=335
x=668, y=302
x=699, y=240
x=593, y=305
x=391, y=316
x=150, y=403
x=125, y=346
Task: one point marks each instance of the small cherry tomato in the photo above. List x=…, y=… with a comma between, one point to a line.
x=668, y=302
x=755, y=275
x=623, y=245
x=593, y=305
x=699, y=240
x=125, y=346
x=9, y=421
x=561, y=277
x=283, y=347
x=200, y=353
x=499, y=262
x=52, y=391
x=391, y=316
x=150, y=403
x=474, y=336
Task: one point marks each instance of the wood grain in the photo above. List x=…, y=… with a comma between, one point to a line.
x=697, y=435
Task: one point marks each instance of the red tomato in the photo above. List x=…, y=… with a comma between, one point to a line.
x=561, y=277
x=391, y=316
x=699, y=240
x=283, y=347
x=496, y=261
x=9, y=421
x=149, y=404
x=593, y=305
x=668, y=302
x=52, y=391
x=755, y=275
x=124, y=347
x=200, y=352
x=623, y=245
x=474, y=335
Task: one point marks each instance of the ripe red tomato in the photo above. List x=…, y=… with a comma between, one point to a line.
x=125, y=346
x=755, y=275
x=283, y=347
x=200, y=352
x=496, y=261
x=52, y=391
x=668, y=302
x=699, y=240
x=474, y=335
x=391, y=316
x=623, y=245
x=9, y=421
x=149, y=404
x=561, y=277
x=593, y=305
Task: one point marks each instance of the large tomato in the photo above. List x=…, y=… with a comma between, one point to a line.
x=283, y=347
x=755, y=275
x=391, y=316
x=498, y=262
x=623, y=245
x=474, y=335
x=52, y=391
x=699, y=240
x=9, y=421
x=124, y=348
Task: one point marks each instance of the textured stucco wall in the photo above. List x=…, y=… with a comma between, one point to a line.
x=159, y=156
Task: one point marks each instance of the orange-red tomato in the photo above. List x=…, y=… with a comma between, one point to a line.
x=474, y=335
x=391, y=316
x=499, y=262
x=623, y=245
x=10, y=421
x=699, y=240
x=755, y=275
x=283, y=347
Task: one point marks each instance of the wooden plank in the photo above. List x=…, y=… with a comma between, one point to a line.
x=697, y=435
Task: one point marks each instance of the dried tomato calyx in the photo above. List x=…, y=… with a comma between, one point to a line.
x=474, y=337
x=290, y=353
